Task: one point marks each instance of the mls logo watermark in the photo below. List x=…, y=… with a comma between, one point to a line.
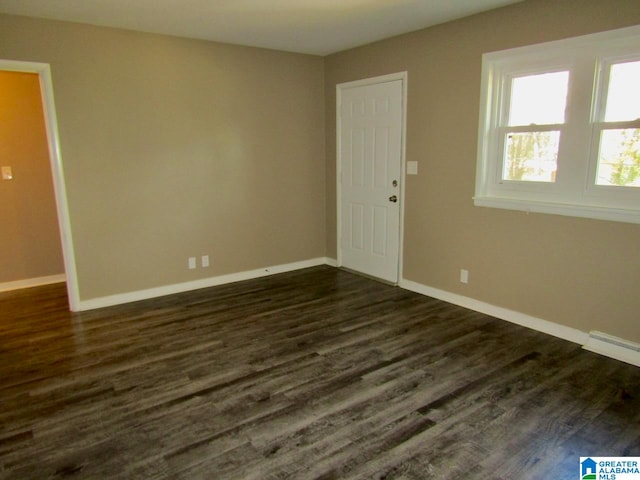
x=610, y=468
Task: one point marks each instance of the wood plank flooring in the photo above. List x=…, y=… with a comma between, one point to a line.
x=315, y=374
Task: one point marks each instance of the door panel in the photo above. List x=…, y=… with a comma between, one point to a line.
x=370, y=136
x=357, y=226
x=379, y=242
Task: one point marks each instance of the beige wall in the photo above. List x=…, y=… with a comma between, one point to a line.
x=175, y=148
x=29, y=235
x=576, y=272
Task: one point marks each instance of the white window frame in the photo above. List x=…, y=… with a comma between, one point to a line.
x=574, y=192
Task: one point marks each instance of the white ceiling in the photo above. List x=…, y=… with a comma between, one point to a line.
x=318, y=27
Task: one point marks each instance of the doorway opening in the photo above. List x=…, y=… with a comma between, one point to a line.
x=52, y=148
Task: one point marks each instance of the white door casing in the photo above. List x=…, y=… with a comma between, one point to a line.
x=46, y=89
x=370, y=121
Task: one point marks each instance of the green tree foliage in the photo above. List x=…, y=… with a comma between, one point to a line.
x=626, y=167
x=525, y=150
x=519, y=150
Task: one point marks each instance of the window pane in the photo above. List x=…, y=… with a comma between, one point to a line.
x=619, y=158
x=623, y=99
x=538, y=99
x=531, y=156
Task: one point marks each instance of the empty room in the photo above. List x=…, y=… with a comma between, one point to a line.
x=319, y=239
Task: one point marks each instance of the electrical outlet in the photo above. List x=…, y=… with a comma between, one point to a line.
x=464, y=276
x=204, y=260
x=192, y=263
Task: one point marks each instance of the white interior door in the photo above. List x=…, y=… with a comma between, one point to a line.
x=370, y=152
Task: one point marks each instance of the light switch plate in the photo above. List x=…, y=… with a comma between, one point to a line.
x=6, y=173
x=412, y=168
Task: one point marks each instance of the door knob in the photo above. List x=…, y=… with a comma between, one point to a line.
x=393, y=198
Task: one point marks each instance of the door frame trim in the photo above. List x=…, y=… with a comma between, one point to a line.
x=403, y=76
x=62, y=206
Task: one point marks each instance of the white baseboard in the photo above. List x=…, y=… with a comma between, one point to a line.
x=597, y=342
x=601, y=343
x=551, y=328
x=118, y=299
x=614, y=347
x=32, y=282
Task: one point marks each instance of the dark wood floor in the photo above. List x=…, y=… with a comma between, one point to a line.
x=316, y=374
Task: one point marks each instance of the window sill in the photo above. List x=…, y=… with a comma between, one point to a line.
x=566, y=209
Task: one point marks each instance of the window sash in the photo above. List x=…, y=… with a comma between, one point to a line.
x=574, y=191
x=614, y=191
x=504, y=132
